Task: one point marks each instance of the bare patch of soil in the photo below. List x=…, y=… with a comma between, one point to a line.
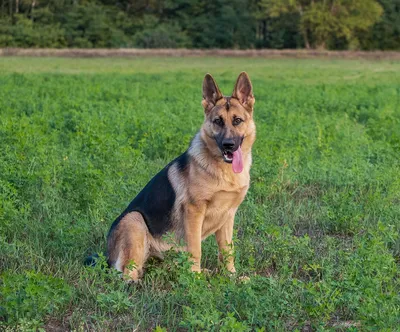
x=135, y=52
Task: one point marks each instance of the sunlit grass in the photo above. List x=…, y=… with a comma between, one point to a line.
x=317, y=233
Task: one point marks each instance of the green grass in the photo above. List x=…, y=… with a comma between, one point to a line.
x=318, y=233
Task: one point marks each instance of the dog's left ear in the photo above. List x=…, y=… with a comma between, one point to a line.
x=243, y=91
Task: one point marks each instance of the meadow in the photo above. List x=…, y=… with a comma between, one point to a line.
x=318, y=233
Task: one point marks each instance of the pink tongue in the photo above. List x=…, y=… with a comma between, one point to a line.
x=237, y=162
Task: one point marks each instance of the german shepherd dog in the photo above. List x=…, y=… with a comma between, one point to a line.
x=195, y=195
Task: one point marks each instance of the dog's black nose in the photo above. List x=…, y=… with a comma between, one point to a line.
x=228, y=144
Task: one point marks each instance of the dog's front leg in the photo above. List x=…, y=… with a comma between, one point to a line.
x=194, y=218
x=224, y=239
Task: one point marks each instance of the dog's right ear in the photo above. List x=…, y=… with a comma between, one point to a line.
x=211, y=93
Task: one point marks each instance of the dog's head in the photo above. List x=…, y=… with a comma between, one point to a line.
x=229, y=120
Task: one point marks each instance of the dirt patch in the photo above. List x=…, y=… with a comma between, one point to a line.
x=134, y=52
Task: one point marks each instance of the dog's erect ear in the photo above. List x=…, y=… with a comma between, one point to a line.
x=243, y=91
x=211, y=93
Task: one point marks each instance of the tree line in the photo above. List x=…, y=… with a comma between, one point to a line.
x=242, y=24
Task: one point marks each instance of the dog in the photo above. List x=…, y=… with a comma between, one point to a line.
x=195, y=195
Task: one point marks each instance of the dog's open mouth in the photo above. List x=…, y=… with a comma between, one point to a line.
x=228, y=156
x=235, y=158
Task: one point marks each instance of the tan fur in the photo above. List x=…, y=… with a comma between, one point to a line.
x=208, y=191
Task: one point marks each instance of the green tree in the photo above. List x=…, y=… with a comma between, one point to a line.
x=276, y=31
x=39, y=30
x=332, y=24
x=94, y=25
x=213, y=24
x=385, y=34
x=323, y=21
x=156, y=34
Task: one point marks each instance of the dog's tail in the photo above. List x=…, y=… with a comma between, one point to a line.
x=93, y=259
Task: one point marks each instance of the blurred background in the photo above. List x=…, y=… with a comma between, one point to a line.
x=223, y=24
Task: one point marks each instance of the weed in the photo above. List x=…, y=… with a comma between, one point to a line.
x=316, y=240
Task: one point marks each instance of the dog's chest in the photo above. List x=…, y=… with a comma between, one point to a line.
x=221, y=208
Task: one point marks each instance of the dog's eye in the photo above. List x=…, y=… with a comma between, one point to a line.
x=219, y=122
x=237, y=121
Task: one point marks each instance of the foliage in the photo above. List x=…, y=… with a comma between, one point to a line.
x=322, y=22
x=333, y=24
x=27, y=297
x=317, y=235
x=385, y=34
x=24, y=33
x=91, y=25
x=214, y=24
x=160, y=35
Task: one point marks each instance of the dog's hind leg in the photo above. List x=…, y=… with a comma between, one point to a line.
x=128, y=246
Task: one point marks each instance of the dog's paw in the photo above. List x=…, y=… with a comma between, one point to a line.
x=132, y=276
x=195, y=268
x=206, y=271
x=244, y=279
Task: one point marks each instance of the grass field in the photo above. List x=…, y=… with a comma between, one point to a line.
x=318, y=233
